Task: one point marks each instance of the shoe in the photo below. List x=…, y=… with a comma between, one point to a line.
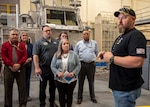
x=79, y=101
x=94, y=100
x=29, y=98
x=42, y=104
x=53, y=105
x=23, y=105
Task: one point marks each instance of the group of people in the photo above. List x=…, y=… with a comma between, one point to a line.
x=61, y=66
x=57, y=63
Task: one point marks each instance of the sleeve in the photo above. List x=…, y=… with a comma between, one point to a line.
x=137, y=45
x=36, y=48
x=53, y=65
x=96, y=48
x=0, y=60
x=30, y=51
x=23, y=56
x=76, y=49
x=4, y=54
x=78, y=65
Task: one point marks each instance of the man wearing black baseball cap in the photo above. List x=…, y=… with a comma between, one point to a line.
x=126, y=59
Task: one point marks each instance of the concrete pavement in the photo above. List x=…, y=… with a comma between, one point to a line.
x=102, y=92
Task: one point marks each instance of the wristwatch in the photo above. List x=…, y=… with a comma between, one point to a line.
x=112, y=60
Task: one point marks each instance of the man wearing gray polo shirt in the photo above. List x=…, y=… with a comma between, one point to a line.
x=43, y=51
x=87, y=51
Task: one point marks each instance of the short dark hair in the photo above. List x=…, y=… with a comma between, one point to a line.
x=45, y=26
x=63, y=32
x=85, y=30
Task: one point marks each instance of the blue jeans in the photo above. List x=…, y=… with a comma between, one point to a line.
x=126, y=99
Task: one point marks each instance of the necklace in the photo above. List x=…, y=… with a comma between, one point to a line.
x=65, y=55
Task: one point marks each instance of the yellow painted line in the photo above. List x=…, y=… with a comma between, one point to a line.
x=143, y=106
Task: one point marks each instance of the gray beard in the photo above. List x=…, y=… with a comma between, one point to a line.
x=121, y=31
x=124, y=30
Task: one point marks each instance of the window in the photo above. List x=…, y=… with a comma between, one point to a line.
x=70, y=18
x=61, y=17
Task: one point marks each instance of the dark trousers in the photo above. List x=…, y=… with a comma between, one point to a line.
x=87, y=69
x=28, y=75
x=9, y=78
x=65, y=93
x=49, y=78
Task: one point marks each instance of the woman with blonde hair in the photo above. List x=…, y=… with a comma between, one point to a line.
x=65, y=65
x=28, y=64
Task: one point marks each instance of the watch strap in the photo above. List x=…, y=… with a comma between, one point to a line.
x=112, y=60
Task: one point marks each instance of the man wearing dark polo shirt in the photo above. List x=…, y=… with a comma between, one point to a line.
x=126, y=60
x=43, y=51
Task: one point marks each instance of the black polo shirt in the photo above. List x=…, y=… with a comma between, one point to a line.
x=132, y=43
x=45, y=50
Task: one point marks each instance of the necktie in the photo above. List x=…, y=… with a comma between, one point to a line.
x=14, y=54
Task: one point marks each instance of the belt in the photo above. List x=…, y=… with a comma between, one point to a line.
x=87, y=62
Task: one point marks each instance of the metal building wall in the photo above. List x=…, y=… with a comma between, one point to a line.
x=146, y=70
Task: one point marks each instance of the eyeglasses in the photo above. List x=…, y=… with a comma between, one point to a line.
x=14, y=34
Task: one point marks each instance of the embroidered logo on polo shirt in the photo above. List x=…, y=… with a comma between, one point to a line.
x=54, y=42
x=140, y=51
x=119, y=40
x=45, y=43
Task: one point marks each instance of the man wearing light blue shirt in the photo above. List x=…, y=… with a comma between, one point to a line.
x=87, y=51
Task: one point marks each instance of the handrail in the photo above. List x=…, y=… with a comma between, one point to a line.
x=7, y=8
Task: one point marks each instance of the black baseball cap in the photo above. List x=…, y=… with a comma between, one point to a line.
x=126, y=11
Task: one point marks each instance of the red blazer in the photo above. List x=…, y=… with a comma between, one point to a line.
x=6, y=53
